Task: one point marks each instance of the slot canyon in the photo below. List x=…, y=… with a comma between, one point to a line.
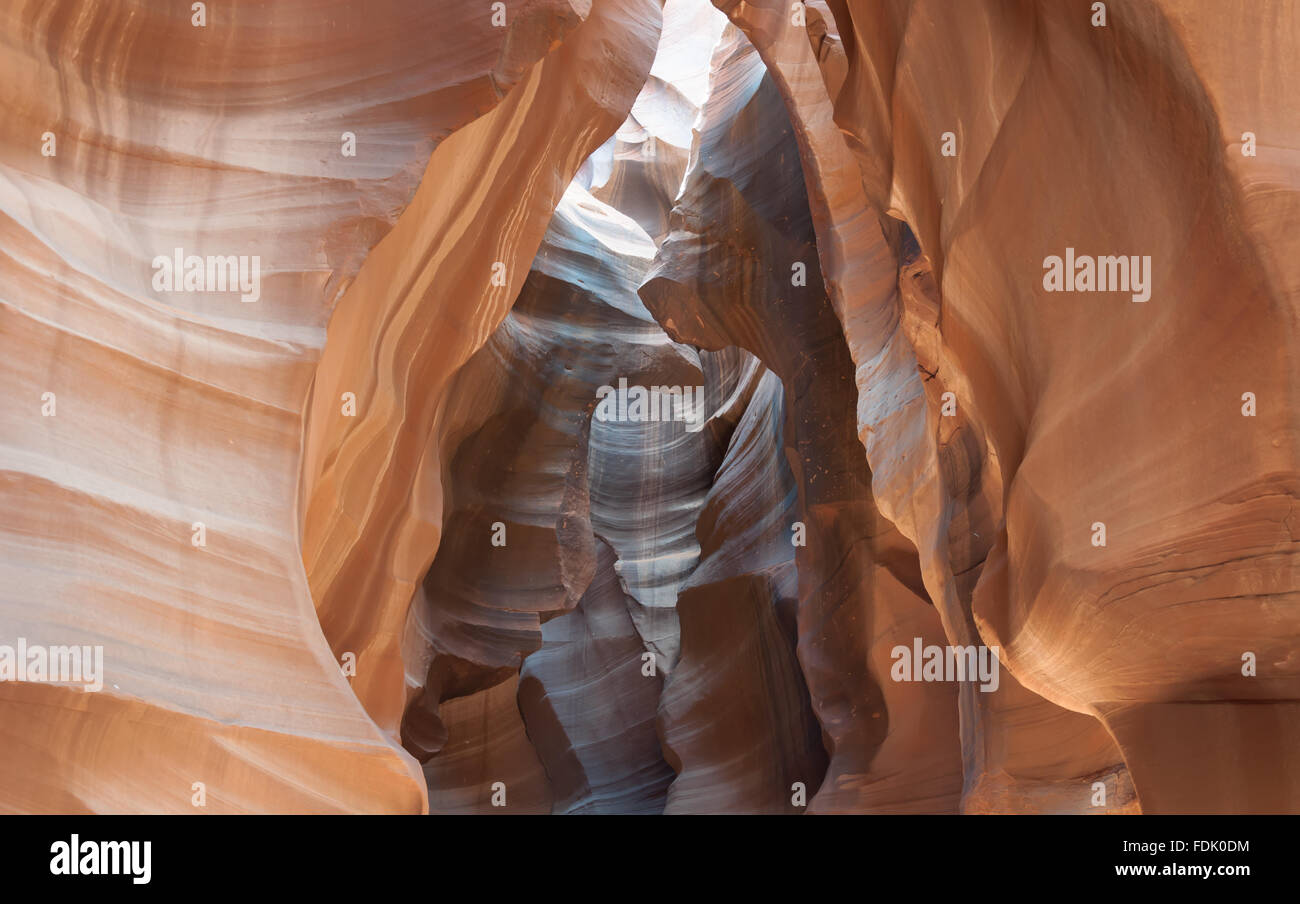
x=650, y=407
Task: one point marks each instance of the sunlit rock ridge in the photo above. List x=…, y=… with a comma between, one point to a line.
x=649, y=406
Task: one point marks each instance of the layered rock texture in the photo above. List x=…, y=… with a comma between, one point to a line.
x=626, y=406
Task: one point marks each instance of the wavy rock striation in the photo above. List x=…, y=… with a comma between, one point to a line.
x=130, y=132
x=854, y=592
x=1070, y=411
x=620, y=390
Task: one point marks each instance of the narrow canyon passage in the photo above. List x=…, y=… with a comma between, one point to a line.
x=650, y=406
x=643, y=606
x=598, y=498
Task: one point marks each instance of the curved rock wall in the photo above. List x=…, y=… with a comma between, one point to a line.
x=129, y=132
x=397, y=537
x=1075, y=410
